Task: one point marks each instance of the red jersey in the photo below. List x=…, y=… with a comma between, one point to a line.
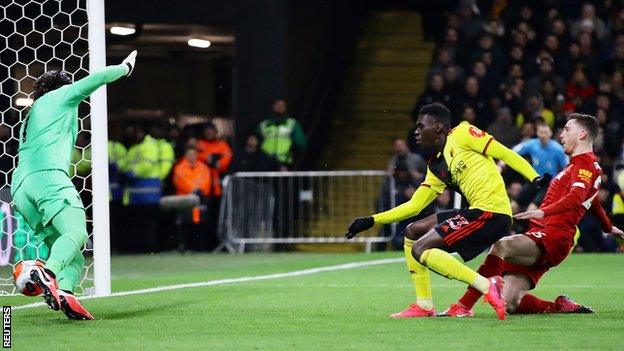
x=571, y=193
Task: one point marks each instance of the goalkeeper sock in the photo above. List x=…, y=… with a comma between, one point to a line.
x=71, y=224
x=420, y=277
x=446, y=265
x=492, y=266
x=69, y=277
x=531, y=304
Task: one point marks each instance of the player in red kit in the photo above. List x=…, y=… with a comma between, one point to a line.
x=522, y=259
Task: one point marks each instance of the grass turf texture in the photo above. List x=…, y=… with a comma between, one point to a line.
x=339, y=310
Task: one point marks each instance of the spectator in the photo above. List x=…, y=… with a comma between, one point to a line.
x=453, y=77
x=578, y=91
x=252, y=159
x=471, y=96
x=166, y=153
x=435, y=92
x=560, y=30
x=513, y=95
x=545, y=64
x=216, y=153
x=142, y=195
x=415, y=164
x=534, y=109
x=191, y=176
x=281, y=136
x=552, y=99
x=517, y=57
x=503, y=128
x=589, y=23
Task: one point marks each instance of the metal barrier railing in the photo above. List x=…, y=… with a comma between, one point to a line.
x=265, y=208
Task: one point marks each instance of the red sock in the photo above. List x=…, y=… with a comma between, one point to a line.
x=531, y=304
x=492, y=266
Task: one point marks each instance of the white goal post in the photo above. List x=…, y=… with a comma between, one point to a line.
x=99, y=144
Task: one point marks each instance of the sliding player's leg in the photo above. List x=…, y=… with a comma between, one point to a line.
x=418, y=273
x=518, y=249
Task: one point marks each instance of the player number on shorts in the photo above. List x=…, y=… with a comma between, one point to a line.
x=457, y=222
x=537, y=234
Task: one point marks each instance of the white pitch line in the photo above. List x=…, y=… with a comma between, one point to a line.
x=298, y=273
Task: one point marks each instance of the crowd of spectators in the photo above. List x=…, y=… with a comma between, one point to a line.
x=144, y=166
x=509, y=66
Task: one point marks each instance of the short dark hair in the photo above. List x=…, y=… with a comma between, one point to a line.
x=49, y=81
x=588, y=122
x=437, y=111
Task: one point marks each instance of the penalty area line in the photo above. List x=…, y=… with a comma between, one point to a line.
x=338, y=267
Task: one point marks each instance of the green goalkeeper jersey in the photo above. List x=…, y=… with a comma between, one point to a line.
x=48, y=133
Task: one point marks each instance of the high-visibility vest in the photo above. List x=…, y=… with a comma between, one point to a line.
x=277, y=139
x=116, y=158
x=618, y=204
x=166, y=157
x=142, y=162
x=208, y=148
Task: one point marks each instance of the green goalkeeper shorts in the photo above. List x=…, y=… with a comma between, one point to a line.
x=41, y=196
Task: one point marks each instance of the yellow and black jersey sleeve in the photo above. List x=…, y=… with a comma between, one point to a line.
x=472, y=137
x=433, y=182
x=422, y=197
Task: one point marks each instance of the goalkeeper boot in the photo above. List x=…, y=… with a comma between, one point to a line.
x=414, y=311
x=46, y=280
x=457, y=310
x=566, y=305
x=72, y=308
x=494, y=296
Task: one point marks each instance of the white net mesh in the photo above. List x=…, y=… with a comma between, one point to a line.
x=37, y=36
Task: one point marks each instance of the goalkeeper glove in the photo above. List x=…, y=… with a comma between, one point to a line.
x=129, y=62
x=359, y=225
x=542, y=182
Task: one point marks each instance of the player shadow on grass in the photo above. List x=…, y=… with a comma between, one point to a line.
x=137, y=312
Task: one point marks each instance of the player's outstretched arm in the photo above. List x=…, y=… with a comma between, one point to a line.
x=84, y=87
x=422, y=197
x=512, y=159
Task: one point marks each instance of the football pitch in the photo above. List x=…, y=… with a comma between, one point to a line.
x=297, y=301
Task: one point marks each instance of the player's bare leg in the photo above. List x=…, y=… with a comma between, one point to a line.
x=517, y=249
x=516, y=287
x=418, y=273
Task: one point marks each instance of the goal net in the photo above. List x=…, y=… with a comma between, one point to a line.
x=37, y=36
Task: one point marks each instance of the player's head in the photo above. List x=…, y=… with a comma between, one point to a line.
x=51, y=80
x=543, y=130
x=433, y=123
x=579, y=133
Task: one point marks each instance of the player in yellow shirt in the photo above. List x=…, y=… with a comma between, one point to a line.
x=463, y=161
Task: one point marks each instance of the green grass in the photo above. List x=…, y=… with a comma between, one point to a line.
x=338, y=310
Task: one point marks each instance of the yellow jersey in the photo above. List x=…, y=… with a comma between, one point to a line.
x=466, y=164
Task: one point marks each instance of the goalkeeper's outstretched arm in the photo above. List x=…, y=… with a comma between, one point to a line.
x=84, y=87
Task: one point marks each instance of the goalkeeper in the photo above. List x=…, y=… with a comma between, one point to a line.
x=42, y=190
x=463, y=161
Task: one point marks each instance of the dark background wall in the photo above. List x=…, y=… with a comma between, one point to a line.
x=297, y=50
x=160, y=84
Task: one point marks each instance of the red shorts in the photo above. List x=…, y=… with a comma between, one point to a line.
x=555, y=246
